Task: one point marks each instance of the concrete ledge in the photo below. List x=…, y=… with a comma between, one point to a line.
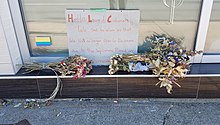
x=203, y=81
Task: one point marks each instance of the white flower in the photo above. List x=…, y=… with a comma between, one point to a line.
x=115, y=62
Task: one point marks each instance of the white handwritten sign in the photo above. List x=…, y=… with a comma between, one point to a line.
x=100, y=35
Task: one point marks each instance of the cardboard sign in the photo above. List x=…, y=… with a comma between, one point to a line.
x=98, y=35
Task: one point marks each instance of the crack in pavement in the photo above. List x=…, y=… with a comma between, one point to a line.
x=167, y=114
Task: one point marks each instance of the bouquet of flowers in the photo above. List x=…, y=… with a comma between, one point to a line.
x=130, y=62
x=167, y=59
x=76, y=66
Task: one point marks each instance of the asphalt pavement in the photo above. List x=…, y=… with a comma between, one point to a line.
x=115, y=112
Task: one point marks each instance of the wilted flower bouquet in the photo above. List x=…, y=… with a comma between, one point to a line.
x=76, y=66
x=167, y=59
x=128, y=63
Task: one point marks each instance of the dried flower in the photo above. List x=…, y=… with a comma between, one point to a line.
x=167, y=59
x=76, y=66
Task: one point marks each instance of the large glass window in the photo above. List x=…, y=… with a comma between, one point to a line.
x=155, y=17
x=45, y=18
x=45, y=21
x=213, y=36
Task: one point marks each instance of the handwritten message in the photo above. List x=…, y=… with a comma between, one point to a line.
x=100, y=35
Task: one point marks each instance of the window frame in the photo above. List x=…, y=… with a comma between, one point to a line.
x=205, y=15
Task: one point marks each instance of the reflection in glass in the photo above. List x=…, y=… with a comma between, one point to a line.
x=47, y=18
x=213, y=37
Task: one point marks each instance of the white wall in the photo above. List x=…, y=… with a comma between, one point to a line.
x=10, y=58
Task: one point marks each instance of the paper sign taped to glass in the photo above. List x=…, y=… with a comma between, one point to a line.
x=98, y=35
x=43, y=41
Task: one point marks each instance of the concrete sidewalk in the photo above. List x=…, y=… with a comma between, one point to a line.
x=124, y=112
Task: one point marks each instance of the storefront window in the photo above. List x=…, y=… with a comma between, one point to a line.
x=213, y=37
x=155, y=18
x=45, y=21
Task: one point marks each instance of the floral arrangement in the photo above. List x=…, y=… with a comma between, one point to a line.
x=166, y=58
x=76, y=66
x=126, y=62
